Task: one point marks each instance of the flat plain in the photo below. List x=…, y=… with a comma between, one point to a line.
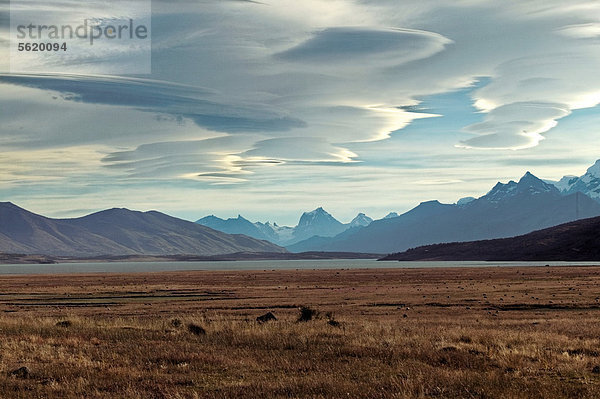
x=510, y=332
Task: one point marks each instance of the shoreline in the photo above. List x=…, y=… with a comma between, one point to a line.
x=256, y=266
x=13, y=259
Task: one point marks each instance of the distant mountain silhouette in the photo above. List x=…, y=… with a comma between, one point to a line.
x=507, y=210
x=116, y=232
x=315, y=223
x=574, y=241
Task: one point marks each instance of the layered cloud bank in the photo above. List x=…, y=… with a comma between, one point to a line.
x=261, y=97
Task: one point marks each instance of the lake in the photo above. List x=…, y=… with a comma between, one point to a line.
x=141, y=267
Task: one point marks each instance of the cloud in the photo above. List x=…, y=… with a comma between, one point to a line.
x=307, y=149
x=515, y=126
x=581, y=31
x=213, y=160
x=438, y=182
x=200, y=105
x=221, y=160
x=358, y=47
x=530, y=94
x=320, y=97
x=64, y=165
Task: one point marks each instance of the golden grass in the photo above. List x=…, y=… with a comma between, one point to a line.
x=402, y=334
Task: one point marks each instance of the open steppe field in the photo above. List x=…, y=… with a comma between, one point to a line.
x=386, y=333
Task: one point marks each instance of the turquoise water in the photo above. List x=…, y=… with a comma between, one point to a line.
x=142, y=267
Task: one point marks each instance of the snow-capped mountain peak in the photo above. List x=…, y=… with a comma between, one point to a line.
x=360, y=220
x=319, y=215
x=594, y=170
x=566, y=182
x=501, y=190
x=531, y=183
x=317, y=222
x=527, y=184
x=588, y=184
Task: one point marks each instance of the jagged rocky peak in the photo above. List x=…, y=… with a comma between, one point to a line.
x=533, y=183
x=528, y=183
x=316, y=216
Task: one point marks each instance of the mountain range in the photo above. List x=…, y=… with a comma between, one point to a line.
x=116, y=231
x=508, y=209
x=315, y=223
x=574, y=241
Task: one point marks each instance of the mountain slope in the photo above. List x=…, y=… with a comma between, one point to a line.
x=574, y=241
x=116, y=232
x=24, y=232
x=507, y=210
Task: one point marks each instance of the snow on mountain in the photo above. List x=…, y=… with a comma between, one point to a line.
x=594, y=170
x=391, y=215
x=317, y=223
x=527, y=184
x=360, y=220
x=589, y=183
x=534, y=185
x=276, y=233
x=501, y=191
x=317, y=215
x=565, y=183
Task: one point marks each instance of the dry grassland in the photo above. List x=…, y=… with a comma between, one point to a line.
x=388, y=333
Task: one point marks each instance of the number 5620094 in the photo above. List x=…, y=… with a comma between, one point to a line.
x=42, y=46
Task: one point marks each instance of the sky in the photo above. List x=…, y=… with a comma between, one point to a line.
x=274, y=107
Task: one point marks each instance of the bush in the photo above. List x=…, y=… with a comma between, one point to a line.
x=196, y=329
x=307, y=313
